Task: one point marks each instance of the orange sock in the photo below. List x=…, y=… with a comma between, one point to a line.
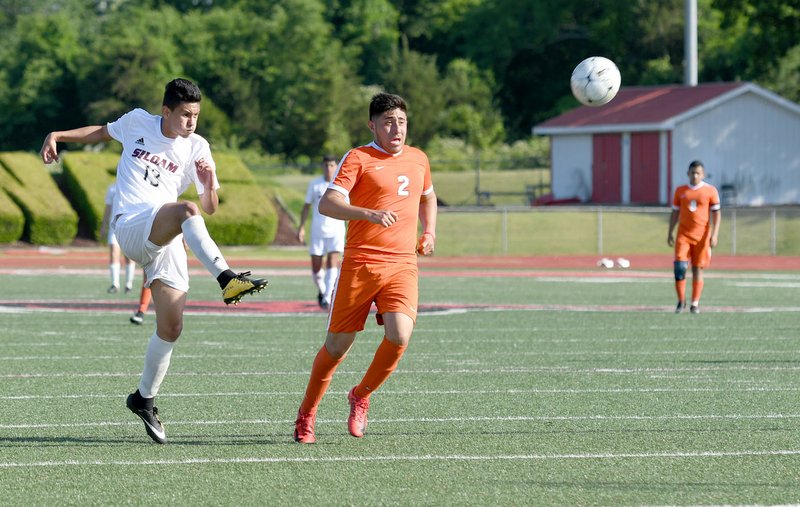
x=383, y=364
x=697, y=289
x=680, y=288
x=321, y=376
x=144, y=299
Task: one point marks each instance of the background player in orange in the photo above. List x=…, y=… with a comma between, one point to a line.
x=696, y=208
x=144, y=302
x=389, y=186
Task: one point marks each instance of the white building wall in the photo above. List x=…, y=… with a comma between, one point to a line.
x=572, y=166
x=748, y=142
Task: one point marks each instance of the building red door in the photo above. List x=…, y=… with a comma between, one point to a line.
x=606, y=168
x=644, y=167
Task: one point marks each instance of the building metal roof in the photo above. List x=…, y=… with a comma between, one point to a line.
x=652, y=108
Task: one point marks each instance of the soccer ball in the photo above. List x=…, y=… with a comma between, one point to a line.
x=595, y=81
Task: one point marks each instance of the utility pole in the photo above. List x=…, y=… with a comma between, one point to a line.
x=690, y=43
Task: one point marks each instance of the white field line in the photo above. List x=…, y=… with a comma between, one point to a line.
x=428, y=457
x=577, y=277
x=424, y=420
x=442, y=392
x=612, y=353
x=436, y=371
x=447, y=311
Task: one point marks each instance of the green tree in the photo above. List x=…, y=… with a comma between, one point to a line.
x=133, y=55
x=470, y=112
x=415, y=77
x=38, y=85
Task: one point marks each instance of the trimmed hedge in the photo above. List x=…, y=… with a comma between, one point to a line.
x=244, y=217
x=12, y=221
x=49, y=218
x=87, y=176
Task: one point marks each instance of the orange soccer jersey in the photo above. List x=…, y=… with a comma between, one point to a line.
x=374, y=179
x=695, y=205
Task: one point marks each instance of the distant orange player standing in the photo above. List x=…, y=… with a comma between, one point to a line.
x=381, y=188
x=696, y=208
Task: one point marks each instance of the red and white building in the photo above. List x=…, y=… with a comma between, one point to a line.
x=637, y=149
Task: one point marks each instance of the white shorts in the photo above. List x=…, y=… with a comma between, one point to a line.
x=167, y=263
x=111, y=239
x=324, y=246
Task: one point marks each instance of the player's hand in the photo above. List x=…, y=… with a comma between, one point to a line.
x=205, y=173
x=49, y=152
x=425, y=243
x=670, y=240
x=714, y=241
x=301, y=235
x=383, y=217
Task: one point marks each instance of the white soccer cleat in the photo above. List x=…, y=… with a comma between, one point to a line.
x=623, y=263
x=605, y=262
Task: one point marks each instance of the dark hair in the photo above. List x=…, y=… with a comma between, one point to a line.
x=383, y=102
x=328, y=158
x=696, y=163
x=179, y=91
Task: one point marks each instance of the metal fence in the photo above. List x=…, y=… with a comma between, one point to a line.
x=604, y=230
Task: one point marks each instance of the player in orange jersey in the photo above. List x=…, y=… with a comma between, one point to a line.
x=381, y=188
x=696, y=208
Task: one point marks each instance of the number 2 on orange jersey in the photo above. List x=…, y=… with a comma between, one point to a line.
x=404, y=182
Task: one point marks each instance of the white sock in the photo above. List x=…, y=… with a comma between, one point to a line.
x=330, y=281
x=156, y=363
x=114, y=270
x=130, y=270
x=319, y=280
x=202, y=246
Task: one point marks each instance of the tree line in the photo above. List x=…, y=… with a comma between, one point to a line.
x=293, y=77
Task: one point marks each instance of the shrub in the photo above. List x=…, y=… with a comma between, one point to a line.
x=49, y=218
x=12, y=221
x=88, y=176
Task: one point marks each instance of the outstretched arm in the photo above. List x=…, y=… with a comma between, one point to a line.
x=91, y=134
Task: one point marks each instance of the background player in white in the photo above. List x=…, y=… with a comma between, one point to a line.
x=327, y=234
x=113, y=247
x=161, y=157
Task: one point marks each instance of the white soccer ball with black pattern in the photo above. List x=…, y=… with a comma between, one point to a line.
x=595, y=81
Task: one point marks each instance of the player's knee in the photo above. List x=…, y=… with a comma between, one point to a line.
x=189, y=208
x=680, y=270
x=170, y=332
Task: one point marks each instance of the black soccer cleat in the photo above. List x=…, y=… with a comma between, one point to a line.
x=694, y=309
x=137, y=318
x=240, y=286
x=150, y=418
x=681, y=306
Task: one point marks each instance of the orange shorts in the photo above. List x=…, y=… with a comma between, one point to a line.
x=393, y=288
x=698, y=252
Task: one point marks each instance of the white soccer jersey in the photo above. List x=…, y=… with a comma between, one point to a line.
x=154, y=169
x=322, y=226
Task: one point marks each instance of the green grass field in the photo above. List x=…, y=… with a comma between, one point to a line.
x=591, y=393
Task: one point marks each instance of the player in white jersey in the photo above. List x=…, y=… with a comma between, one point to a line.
x=327, y=235
x=113, y=246
x=161, y=157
